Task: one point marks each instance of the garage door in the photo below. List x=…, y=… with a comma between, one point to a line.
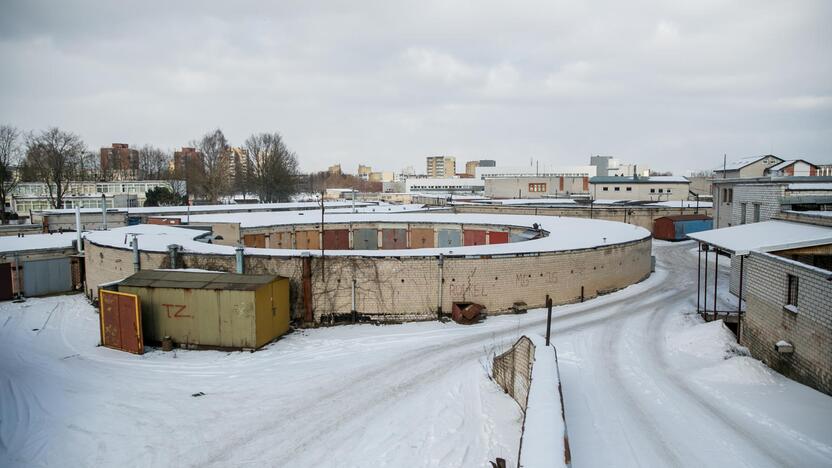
x=42, y=277
x=121, y=326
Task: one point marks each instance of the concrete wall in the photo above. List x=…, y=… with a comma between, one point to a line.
x=409, y=288
x=809, y=330
x=641, y=191
x=514, y=187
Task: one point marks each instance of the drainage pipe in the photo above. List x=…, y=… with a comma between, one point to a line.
x=103, y=212
x=136, y=260
x=441, y=281
x=78, y=228
x=173, y=250
x=239, y=251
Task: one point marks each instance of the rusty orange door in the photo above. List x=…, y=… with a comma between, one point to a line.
x=121, y=321
x=255, y=240
x=421, y=238
x=473, y=237
x=337, y=239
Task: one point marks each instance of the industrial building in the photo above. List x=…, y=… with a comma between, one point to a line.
x=755, y=199
x=654, y=188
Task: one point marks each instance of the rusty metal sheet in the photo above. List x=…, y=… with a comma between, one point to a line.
x=307, y=240
x=497, y=237
x=6, y=286
x=421, y=238
x=280, y=240
x=255, y=240
x=365, y=239
x=394, y=238
x=473, y=237
x=449, y=237
x=466, y=312
x=121, y=323
x=337, y=239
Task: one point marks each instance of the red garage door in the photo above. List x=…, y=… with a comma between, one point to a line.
x=473, y=237
x=121, y=321
x=337, y=239
x=496, y=237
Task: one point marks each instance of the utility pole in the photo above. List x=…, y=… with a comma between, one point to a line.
x=323, y=270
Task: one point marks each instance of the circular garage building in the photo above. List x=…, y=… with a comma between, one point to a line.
x=390, y=267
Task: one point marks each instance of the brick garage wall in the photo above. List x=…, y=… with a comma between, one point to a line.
x=809, y=330
x=767, y=195
x=408, y=288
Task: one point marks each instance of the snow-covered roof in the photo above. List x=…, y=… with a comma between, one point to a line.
x=741, y=163
x=564, y=233
x=785, y=164
x=683, y=204
x=10, y=244
x=530, y=201
x=244, y=207
x=811, y=186
x=767, y=236
x=639, y=180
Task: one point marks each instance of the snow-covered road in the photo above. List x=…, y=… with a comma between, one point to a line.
x=645, y=384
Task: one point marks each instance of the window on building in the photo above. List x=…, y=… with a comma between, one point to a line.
x=756, y=212
x=618, y=189
x=605, y=189
x=668, y=190
x=661, y=190
x=652, y=190
x=537, y=187
x=742, y=213
x=730, y=195
x=629, y=189
x=791, y=296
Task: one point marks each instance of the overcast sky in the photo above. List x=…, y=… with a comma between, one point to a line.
x=387, y=83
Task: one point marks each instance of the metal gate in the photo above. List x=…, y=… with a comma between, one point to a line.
x=6, y=287
x=42, y=277
x=121, y=321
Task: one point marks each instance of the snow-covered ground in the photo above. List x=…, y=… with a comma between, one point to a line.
x=645, y=383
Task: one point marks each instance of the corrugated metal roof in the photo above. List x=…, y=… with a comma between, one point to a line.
x=196, y=280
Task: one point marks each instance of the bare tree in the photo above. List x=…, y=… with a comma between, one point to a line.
x=216, y=159
x=154, y=163
x=274, y=168
x=9, y=160
x=55, y=157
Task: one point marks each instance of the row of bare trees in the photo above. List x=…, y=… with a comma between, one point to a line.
x=265, y=166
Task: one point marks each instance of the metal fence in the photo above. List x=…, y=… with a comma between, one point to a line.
x=512, y=370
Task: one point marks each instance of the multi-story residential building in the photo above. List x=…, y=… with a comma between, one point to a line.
x=364, y=172
x=754, y=166
x=441, y=166
x=119, y=162
x=655, y=188
x=334, y=169
x=825, y=170
x=381, y=176
x=186, y=160
x=471, y=168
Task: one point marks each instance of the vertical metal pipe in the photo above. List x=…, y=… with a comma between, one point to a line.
x=441, y=281
x=18, y=276
x=548, y=318
x=705, y=282
x=239, y=251
x=78, y=228
x=136, y=260
x=172, y=253
x=739, y=302
x=698, y=276
x=353, y=200
x=353, y=297
x=716, y=277
x=103, y=212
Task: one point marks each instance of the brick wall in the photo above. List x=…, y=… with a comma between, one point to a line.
x=767, y=195
x=809, y=330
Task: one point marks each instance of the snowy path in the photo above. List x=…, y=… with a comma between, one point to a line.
x=645, y=383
